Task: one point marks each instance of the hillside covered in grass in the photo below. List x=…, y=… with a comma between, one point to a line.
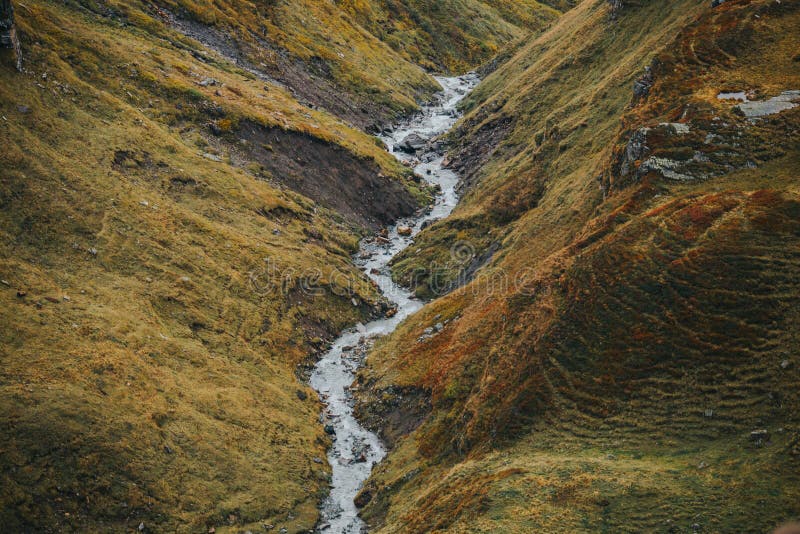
x=618, y=351
x=451, y=35
x=172, y=175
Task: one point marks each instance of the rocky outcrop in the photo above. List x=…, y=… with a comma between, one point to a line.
x=616, y=8
x=8, y=31
x=642, y=85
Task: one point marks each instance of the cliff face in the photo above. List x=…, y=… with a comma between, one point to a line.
x=624, y=359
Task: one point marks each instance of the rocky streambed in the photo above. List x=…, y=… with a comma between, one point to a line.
x=355, y=449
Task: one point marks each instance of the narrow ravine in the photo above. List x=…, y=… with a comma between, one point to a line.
x=355, y=449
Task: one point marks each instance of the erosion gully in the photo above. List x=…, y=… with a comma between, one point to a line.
x=355, y=449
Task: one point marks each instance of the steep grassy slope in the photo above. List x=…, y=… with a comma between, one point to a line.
x=453, y=35
x=148, y=348
x=638, y=317
x=312, y=47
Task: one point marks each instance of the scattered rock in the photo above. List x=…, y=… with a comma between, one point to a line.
x=776, y=104
x=412, y=143
x=642, y=86
x=302, y=395
x=92, y=251
x=759, y=436
x=21, y=293
x=212, y=157
x=23, y=109
x=206, y=82
x=785, y=364
x=404, y=230
x=317, y=460
x=330, y=430
x=141, y=527
x=635, y=150
x=679, y=128
x=616, y=7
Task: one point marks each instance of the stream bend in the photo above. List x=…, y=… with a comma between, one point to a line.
x=355, y=449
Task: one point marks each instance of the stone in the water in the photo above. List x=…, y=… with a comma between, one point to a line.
x=330, y=430
x=412, y=143
x=404, y=230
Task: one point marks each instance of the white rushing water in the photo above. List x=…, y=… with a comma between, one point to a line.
x=355, y=449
